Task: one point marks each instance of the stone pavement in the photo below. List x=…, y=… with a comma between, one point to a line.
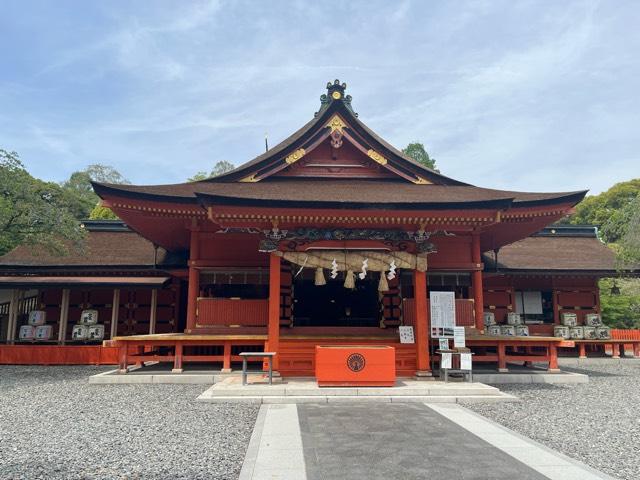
x=396, y=441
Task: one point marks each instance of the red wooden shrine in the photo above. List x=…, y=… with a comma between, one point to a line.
x=243, y=244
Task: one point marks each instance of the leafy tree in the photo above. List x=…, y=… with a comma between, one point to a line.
x=102, y=213
x=79, y=192
x=218, y=169
x=629, y=245
x=417, y=152
x=33, y=212
x=620, y=310
x=610, y=210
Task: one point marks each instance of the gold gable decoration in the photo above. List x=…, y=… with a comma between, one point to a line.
x=421, y=181
x=376, y=157
x=295, y=156
x=249, y=179
x=335, y=123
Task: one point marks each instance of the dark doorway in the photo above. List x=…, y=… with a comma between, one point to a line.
x=333, y=305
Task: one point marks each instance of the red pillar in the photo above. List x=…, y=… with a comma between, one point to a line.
x=226, y=362
x=194, y=281
x=422, y=323
x=553, y=357
x=478, y=298
x=273, y=331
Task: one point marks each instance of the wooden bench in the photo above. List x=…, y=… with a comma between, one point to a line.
x=263, y=355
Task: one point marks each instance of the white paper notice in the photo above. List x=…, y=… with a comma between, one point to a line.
x=406, y=335
x=458, y=337
x=443, y=343
x=445, y=360
x=465, y=361
x=442, y=306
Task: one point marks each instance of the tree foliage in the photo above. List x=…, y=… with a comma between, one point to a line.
x=80, y=195
x=629, y=244
x=218, y=169
x=611, y=210
x=33, y=212
x=416, y=151
x=102, y=213
x=620, y=310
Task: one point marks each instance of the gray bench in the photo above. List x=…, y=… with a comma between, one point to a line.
x=263, y=355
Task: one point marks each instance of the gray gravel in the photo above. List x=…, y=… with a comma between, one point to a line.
x=597, y=423
x=54, y=425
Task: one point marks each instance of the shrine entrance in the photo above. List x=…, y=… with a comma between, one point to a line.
x=333, y=305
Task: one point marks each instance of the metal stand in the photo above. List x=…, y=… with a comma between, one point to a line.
x=446, y=371
x=267, y=355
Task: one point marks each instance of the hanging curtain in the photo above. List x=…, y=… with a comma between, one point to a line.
x=352, y=260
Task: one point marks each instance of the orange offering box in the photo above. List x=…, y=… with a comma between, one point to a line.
x=355, y=365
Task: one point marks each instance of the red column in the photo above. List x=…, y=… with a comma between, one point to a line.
x=478, y=299
x=553, y=357
x=273, y=331
x=194, y=281
x=502, y=358
x=226, y=362
x=422, y=323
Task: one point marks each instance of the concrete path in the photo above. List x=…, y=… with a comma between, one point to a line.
x=396, y=441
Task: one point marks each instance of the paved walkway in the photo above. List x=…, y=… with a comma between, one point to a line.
x=396, y=441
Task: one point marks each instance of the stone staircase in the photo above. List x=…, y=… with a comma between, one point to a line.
x=307, y=391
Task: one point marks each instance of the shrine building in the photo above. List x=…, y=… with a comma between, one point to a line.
x=331, y=237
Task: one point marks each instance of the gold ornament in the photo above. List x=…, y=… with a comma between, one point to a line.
x=336, y=123
x=421, y=181
x=295, y=156
x=250, y=179
x=336, y=95
x=376, y=157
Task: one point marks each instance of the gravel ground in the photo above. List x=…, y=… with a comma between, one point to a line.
x=597, y=423
x=54, y=425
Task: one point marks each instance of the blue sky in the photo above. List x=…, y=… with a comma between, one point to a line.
x=527, y=95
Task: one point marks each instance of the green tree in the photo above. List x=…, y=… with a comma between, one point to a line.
x=218, y=169
x=610, y=210
x=628, y=250
x=78, y=190
x=102, y=213
x=33, y=212
x=416, y=151
x=620, y=310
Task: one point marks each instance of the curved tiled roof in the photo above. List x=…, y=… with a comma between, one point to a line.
x=347, y=191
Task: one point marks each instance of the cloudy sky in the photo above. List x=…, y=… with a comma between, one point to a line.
x=527, y=95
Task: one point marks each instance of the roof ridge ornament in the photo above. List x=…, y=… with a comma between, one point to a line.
x=335, y=93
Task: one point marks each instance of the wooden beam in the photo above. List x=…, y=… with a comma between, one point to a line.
x=273, y=328
x=194, y=281
x=478, y=296
x=12, y=314
x=422, y=323
x=115, y=310
x=14, y=311
x=64, y=316
x=153, y=313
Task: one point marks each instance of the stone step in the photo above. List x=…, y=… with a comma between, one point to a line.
x=357, y=399
x=221, y=390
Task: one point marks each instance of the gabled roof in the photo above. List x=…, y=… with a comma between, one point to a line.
x=335, y=119
x=334, y=162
